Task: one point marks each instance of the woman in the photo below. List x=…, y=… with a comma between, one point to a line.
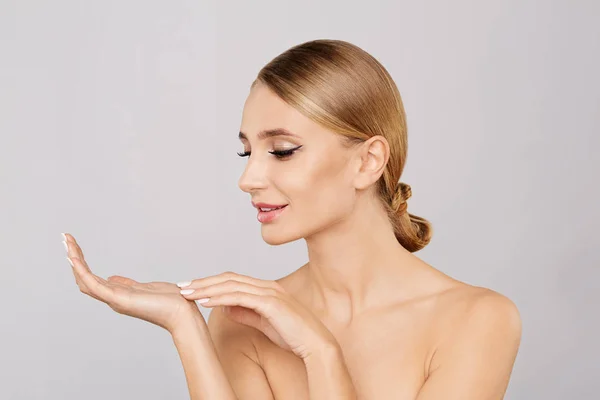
x=325, y=131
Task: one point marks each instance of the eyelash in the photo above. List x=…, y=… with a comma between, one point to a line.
x=280, y=154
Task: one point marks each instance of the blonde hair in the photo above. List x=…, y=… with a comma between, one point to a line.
x=346, y=90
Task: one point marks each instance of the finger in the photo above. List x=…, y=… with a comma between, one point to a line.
x=73, y=247
x=96, y=286
x=225, y=276
x=70, y=250
x=75, y=274
x=82, y=287
x=77, y=280
x=226, y=287
x=71, y=256
x=263, y=305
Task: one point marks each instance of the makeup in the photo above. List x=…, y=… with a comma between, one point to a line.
x=269, y=216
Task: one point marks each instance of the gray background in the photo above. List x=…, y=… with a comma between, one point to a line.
x=118, y=124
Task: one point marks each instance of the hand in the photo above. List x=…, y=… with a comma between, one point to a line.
x=159, y=303
x=266, y=306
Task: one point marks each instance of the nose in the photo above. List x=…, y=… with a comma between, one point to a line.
x=254, y=176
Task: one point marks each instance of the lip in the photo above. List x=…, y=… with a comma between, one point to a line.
x=269, y=216
x=266, y=205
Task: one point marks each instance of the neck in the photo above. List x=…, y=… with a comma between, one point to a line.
x=356, y=265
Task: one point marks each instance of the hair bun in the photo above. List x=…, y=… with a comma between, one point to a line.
x=402, y=193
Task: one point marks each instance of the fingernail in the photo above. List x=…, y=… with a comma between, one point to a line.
x=64, y=236
x=184, y=284
x=66, y=246
x=71, y=262
x=187, y=291
x=202, y=301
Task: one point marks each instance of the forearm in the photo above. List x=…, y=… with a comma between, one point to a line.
x=328, y=375
x=204, y=374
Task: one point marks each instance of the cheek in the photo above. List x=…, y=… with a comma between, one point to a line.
x=321, y=189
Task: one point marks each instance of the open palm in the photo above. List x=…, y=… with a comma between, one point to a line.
x=159, y=303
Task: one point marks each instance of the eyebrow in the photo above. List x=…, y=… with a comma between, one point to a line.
x=269, y=133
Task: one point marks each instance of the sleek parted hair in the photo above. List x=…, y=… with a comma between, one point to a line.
x=343, y=88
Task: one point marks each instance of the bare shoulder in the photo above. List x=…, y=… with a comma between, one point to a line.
x=479, y=336
x=476, y=306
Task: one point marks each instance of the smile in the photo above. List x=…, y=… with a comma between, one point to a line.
x=270, y=215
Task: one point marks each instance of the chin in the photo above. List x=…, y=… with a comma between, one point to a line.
x=275, y=235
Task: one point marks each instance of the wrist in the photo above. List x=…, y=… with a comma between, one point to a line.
x=191, y=324
x=324, y=351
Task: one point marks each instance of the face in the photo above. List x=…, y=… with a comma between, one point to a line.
x=310, y=173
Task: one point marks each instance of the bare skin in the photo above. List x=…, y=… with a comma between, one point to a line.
x=363, y=319
x=388, y=349
x=407, y=331
x=393, y=349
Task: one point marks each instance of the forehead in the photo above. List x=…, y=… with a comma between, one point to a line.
x=264, y=110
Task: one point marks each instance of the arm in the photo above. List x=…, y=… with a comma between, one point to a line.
x=234, y=346
x=265, y=308
x=328, y=375
x=215, y=360
x=203, y=372
x=477, y=360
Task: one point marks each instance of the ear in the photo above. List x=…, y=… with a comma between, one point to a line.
x=373, y=156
